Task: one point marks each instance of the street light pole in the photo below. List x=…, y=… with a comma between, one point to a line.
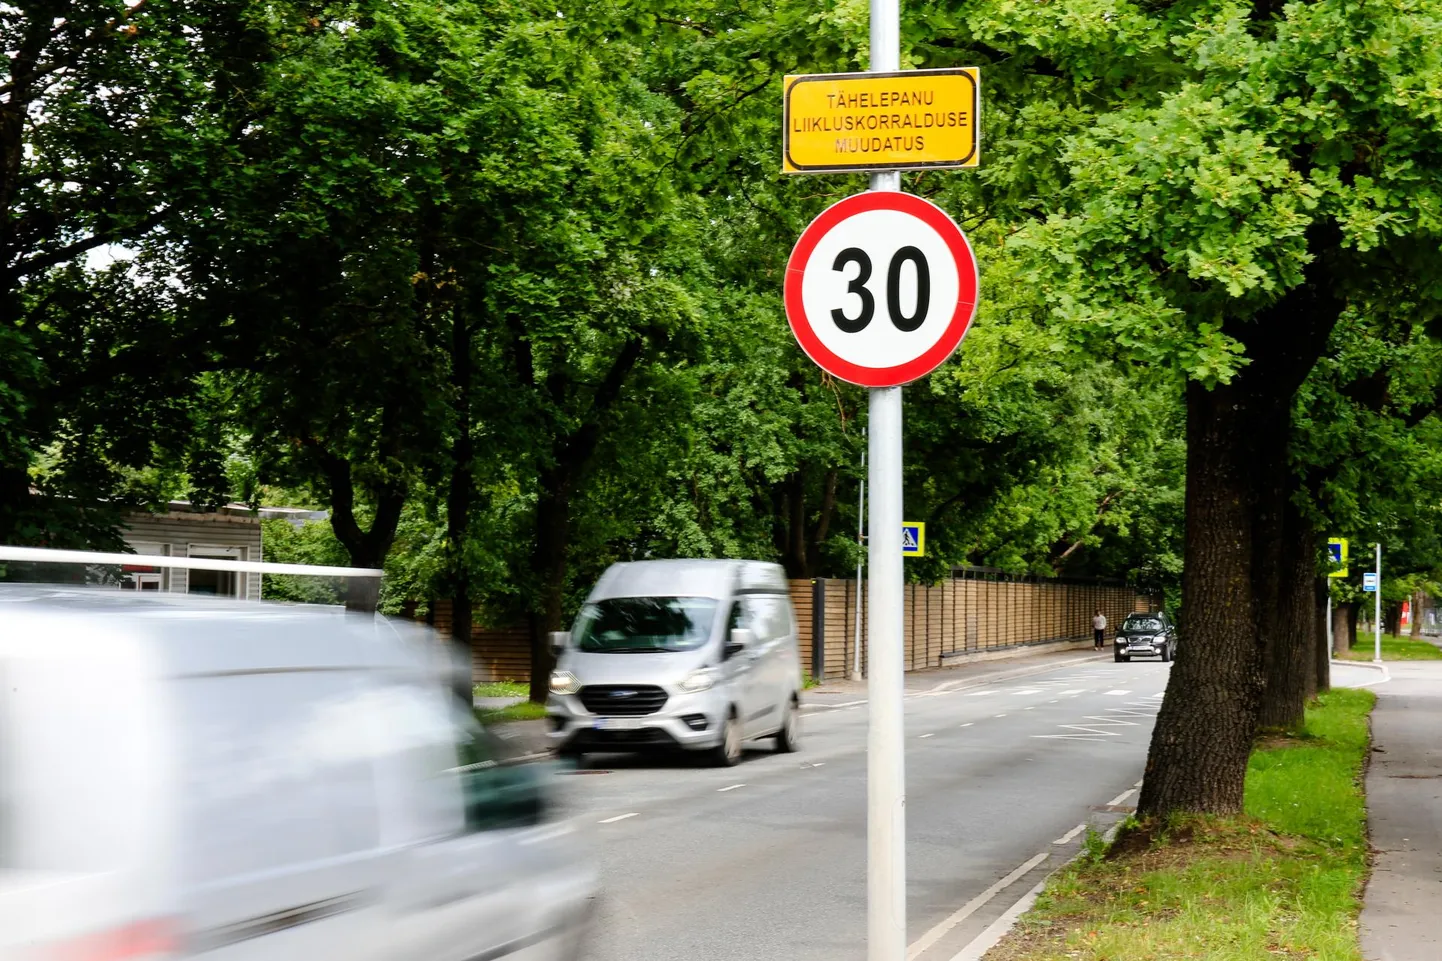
x=1377, y=608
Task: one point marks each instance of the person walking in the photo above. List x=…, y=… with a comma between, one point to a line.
x=1099, y=629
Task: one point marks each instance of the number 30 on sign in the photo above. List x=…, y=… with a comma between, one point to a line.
x=881, y=288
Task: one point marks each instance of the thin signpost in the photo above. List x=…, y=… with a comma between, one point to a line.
x=1377, y=610
x=880, y=289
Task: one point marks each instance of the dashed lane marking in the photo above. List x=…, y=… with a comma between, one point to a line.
x=1067, y=837
x=723, y=790
x=619, y=817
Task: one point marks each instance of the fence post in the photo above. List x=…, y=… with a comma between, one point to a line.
x=818, y=628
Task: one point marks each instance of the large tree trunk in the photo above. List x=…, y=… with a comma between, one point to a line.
x=1354, y=615
x=1416, y=626
x=1321, y=645
x=548, y=566
x=1343, y=622
x=1289, y=658
x=1203, y=734
x=460, y=497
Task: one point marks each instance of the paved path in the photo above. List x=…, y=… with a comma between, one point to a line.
x=1402, y=912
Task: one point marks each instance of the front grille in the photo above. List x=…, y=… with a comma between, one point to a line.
x=623, y=700
x=646, y=737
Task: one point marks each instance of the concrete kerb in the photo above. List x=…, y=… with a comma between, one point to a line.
x=1381, y=668
x=989, y=938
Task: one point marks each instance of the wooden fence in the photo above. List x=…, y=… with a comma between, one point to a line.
x=975, y=611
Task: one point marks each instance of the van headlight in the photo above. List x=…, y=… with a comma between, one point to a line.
x=698, y=681
x=564, y=682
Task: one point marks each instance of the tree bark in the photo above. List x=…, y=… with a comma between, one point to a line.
x=460, y=495
x=1416, y=626
x=1354, y=611
x=1203, y=735
x=1342, y=623
x=1289, y=658
x=1321, y=647
x=548, y=563
x=367, y=548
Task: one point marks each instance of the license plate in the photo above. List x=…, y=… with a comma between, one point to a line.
x=619, y=723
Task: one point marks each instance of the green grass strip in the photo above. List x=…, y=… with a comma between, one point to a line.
x=1284, y=881
x=1393, y=649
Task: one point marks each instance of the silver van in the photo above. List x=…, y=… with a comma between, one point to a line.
x=254, y=782
x=693, y=654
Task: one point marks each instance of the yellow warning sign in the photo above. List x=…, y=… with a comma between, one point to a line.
x=912, y=120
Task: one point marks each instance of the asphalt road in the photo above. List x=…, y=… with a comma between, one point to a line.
x=767, y=860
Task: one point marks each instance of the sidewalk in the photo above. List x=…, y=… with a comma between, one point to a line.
x=1402, y=906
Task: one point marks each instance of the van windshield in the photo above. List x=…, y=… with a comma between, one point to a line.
x=639, y=624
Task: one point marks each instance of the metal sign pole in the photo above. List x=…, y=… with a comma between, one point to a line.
x=1377, y=609
x=885, y=758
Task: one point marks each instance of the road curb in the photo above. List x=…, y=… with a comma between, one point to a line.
x=1371, y=665
x=991, y=936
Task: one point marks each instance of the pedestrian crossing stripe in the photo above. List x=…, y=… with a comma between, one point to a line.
x=913, y=539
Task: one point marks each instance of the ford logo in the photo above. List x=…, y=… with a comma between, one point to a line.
x=623, y=693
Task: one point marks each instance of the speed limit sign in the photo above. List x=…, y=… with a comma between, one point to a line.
x=881, y=288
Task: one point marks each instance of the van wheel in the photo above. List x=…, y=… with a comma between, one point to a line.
x=788, y=739
x=728, y=752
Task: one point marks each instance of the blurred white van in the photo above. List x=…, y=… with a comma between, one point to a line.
x=242, y=781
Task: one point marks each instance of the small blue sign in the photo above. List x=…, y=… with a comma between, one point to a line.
x=1369, y=581
x=913, y=539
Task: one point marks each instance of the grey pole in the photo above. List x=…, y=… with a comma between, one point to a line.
x=885, y=758
x=1377, y=609
x=885, y=767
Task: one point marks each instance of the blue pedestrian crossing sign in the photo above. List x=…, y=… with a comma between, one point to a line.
x=913, y=539
x=1337, y=554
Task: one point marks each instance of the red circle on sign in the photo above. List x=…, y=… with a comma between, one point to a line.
x=930, y=358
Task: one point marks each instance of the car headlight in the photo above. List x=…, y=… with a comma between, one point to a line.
x=696, y=681
x=564, y=682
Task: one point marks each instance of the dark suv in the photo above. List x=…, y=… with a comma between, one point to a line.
x=1149, y=634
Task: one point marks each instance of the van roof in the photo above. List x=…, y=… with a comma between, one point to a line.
x=689, y=578
x=201, y=635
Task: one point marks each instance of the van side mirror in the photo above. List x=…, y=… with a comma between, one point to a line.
x=560, y=640
x=739, y=640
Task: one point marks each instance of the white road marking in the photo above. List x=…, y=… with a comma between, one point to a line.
x=1051, y=702
x=1090, y=730
x=1118, y=693
x=723, y=790
x=1121, y=797
x=928, y=735
x=539, y=837
x=980, y=693
x=1030, y=690
x=987, y=940
x=1001, y=715
x=1029, y=709
x=619, y=817
x=1066, y=838
x=970, y=908
x=1139, y=783
x=968, y=724
x=1073, y=691
x=1069, y=737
